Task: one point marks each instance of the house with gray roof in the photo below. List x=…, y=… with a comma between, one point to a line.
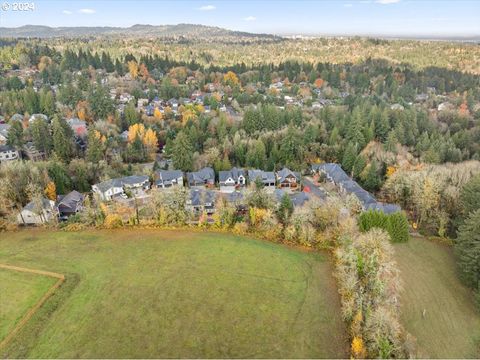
x=385, y=208
x=168, y=178
x=202, y=177
x=231, y=180
x=109, y=189
x=4, y=133
x=298, y=198
x=266, y=177
x=69, y=204
x=288, y=179
x=332, y=172
x=200, y=201
x=37, y=213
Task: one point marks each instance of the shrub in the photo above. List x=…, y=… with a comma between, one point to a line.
x=395, y=224
x=112, y=221
x=398, y=227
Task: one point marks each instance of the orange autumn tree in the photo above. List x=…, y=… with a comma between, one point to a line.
x=143, y=71
x=157, y=114
x=318, y=83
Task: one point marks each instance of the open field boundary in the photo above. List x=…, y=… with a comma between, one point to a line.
x=28, y=315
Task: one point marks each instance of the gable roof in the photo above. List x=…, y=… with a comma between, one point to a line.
x=120, y=182
x=201, y=175
x=264, y=176
x=334, y=171
x=201, y=197
x=168, y=175
x=234, y=173
x=71, y=200
x=45, y=203
x=285, y=172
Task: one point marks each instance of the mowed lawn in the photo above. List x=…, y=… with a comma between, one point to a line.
x=451, y=325
x=148, y=293
x=19, y=292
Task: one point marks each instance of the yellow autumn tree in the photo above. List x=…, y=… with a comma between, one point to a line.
x=157, y=114
x=391, y=170
x=358, y=349
x=230, y=78
x=51, y=191
x=151, y=143
x=136, y=130
x=133, y=68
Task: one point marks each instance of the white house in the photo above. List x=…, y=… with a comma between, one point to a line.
x=7, y=153
x=231, y=180
x=116, y=187
x=37, y=213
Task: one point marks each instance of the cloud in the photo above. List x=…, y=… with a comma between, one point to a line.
x=67, y=12
x=87, y=11
x=386, y=2
x=207, y=7
x=250, y=18
x=347, y=5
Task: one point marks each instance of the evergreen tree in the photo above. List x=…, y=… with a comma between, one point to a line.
x=94, y=146
x=15, y=135
x=47, y=103
x=470, y=196
x=182, y=152
x=100, y=102
x=349, y=157
x=372, y=180
x=285, y=209
x=256, y=155
x=467, y=248
x=41, y=137
x=62, y=139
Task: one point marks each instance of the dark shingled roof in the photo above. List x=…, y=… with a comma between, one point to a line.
x=201, y=176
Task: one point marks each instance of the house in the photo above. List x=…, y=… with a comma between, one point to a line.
x=287, y=179
x=298, y=198
x=38, y=116
x=203, y=177
x=32, y=153
x=17, y=117
x=231, y=180
x=136, y=184
x=266, y=177
x=34, y=213
x=4, y=133
x=78, y=126
x=200, y=201
x=237, y=199
x=169, y=178
x=124, y=136
x=332, y=172
x=7, y=153
x=69, y=204
x=385, y=208
x=352, y=187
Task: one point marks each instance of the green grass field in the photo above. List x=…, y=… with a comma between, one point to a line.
x=451, y=325
x=19, y=292
x=179, y=294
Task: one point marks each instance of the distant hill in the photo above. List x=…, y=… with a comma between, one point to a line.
x=168, y=31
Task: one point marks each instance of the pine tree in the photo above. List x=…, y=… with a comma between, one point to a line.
x=349, y=158
x=95, y=148
x=182, y=153
x=42, y=139
x=285, y=209
x=15, y=135
x=372, y=180
x=470, y=195
x=468, y=250
x=62, y=139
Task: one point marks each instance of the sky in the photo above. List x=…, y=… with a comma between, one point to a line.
x=310, y=17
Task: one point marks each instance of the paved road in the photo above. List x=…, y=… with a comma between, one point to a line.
x=320, y=193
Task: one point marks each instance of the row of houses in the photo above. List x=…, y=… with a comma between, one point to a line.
x=45, y=210
x=336, y=175
x=229, y=181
